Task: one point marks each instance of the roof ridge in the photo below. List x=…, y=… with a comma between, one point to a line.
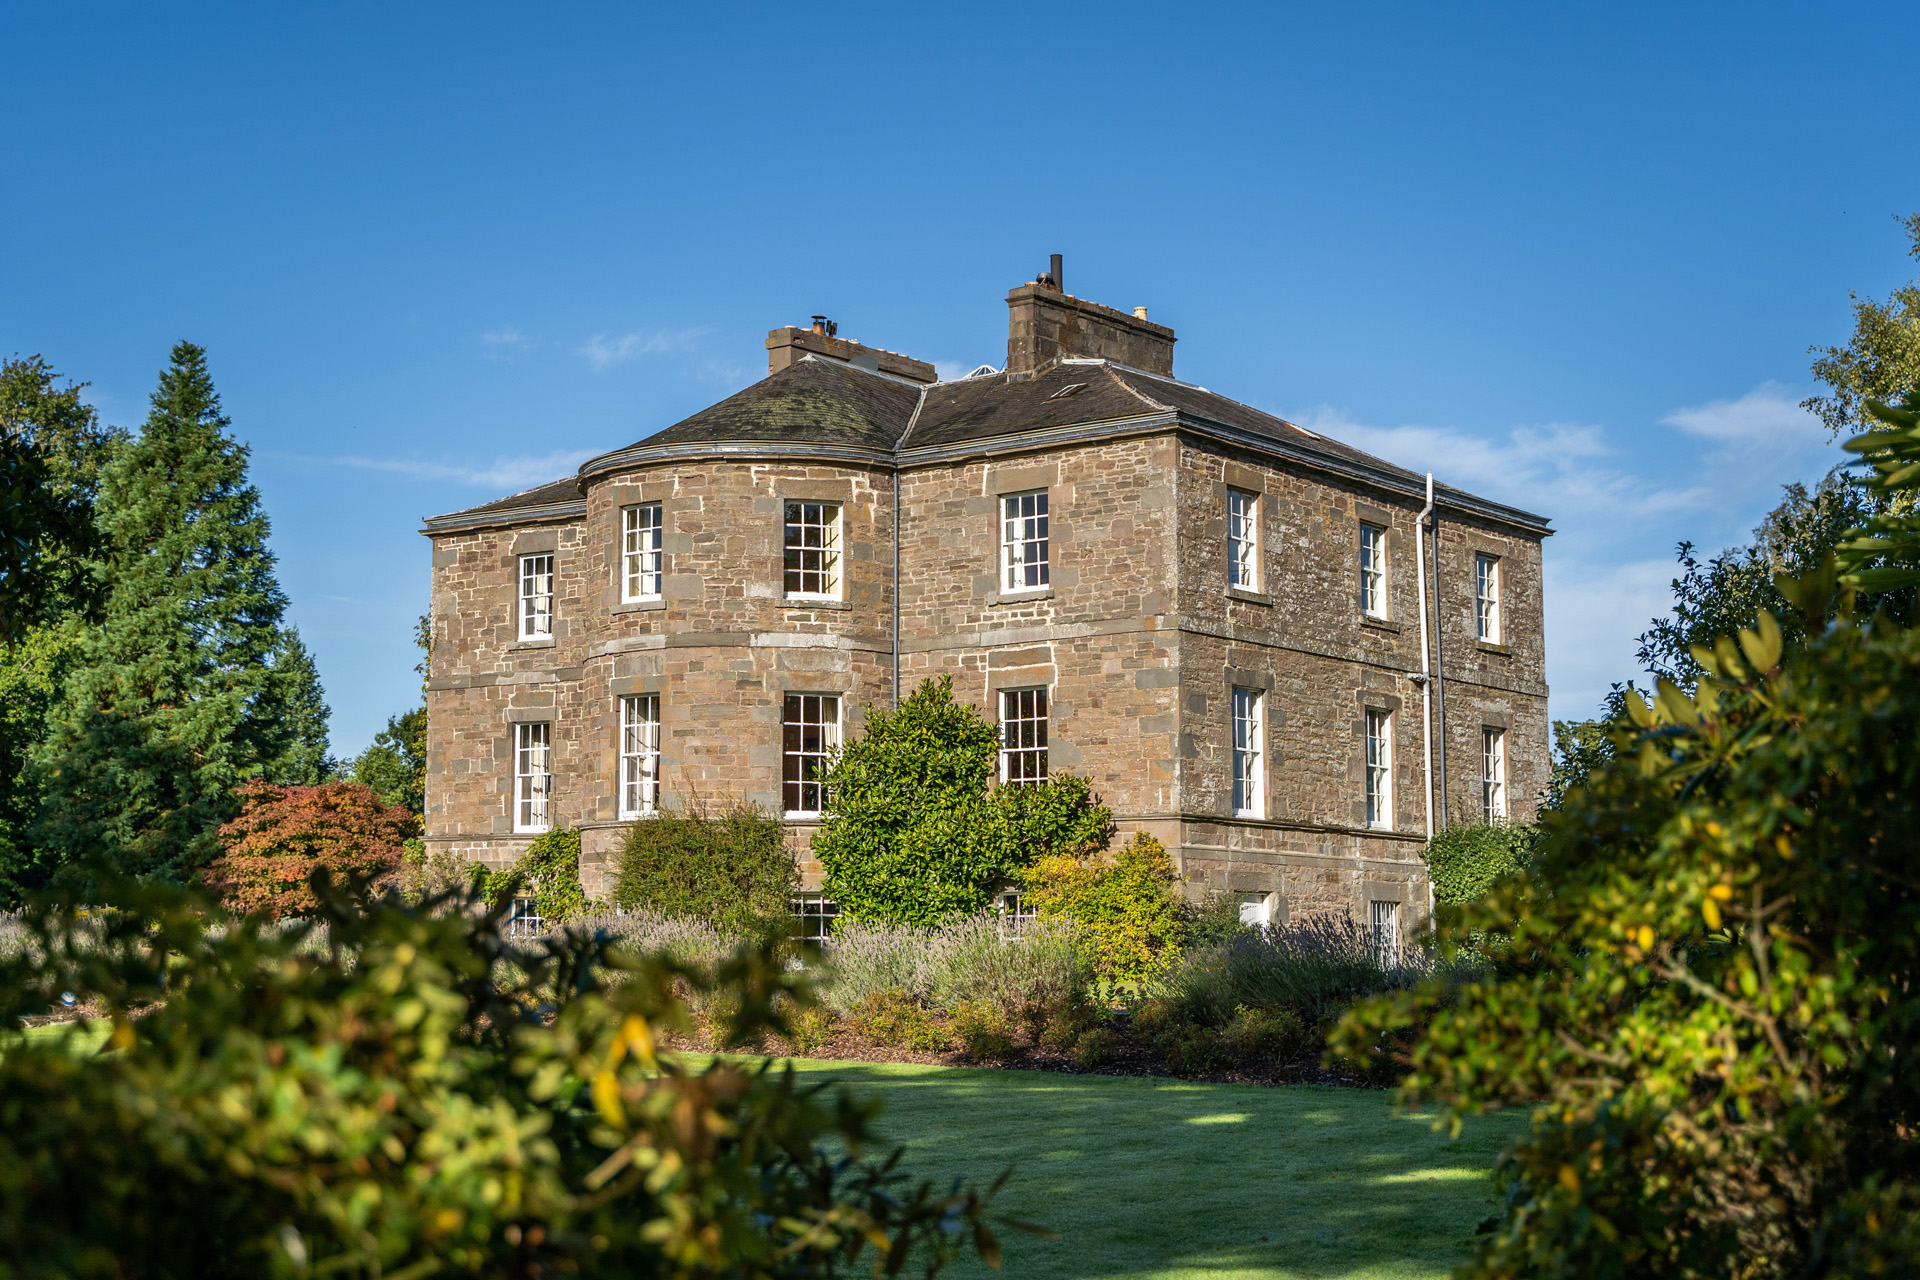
x=918, y=404
x=1134, y=391
x=842, y=364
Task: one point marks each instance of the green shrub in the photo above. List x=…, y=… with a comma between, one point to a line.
x=550, y=868
x=1464, y=862
x=983, y=1031
x=809, y=1029
x=896, y=1019
x=1712, y=978
x=1187, y=1044
x=1267, y=1037
x=1215, y=918
x=405, y=1101
x=1125, y=906
x=732, y=869
x=1095, y=1047
x=915, y=835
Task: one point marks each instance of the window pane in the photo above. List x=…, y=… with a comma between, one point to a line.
x=809, y=735
x=1373, y=570
x=639, y=755
x=1486, y=592
x=1242, y=539
x=1246, y=753
x=536, y=596
x=1024, y=545
x=641, y=554
x=1379, y=769
x=1023, y=735
x=811, y=560
x=1493, y=772
x=533, y=777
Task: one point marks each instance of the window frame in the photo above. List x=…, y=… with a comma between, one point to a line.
x=1373, y=572
x=1493, y=772
x=1377, y=764
x=1243, y=546
x=814, y=913
x=639, y=751
x=1386, y=940
x=1032, y=751
x=832, y=548
x=532, y=789
x=1255, y=908
x=633, y=557
x=534, y=622
x=1016, y=552
x=829, y=740
x=1248, y=715
x=1488, y=625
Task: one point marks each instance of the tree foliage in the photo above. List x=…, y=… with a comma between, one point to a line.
x=732, y=868
x=1712, y=992
x=1125, y=905
x=176, y=697
x=395, y=766
x=1881, y=361
x=394, y=1091
x=915, y=835
x=284, y=834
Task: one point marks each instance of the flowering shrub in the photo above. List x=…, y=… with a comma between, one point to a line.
x=284, y=834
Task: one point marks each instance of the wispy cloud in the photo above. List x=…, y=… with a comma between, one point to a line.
x=1569, y=468
x=1766, y=417
x=603, y=351
x=506, y=473
x=507, y=343
x=1619, y=512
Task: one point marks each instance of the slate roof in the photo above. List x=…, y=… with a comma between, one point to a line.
x=824, y=402
x=811, y=401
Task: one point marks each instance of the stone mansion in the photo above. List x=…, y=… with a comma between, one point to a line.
x=1240, y=630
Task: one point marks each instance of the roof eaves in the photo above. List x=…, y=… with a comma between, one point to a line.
x=544, y=513
x=779, y=450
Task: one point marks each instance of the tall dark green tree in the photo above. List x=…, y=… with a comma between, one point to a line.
x=52, y=450
x=189, y=684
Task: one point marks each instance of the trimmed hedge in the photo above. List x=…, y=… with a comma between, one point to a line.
x=732, y=869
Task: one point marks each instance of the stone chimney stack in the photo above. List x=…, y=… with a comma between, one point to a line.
x=1044, y=323
x=788, y=344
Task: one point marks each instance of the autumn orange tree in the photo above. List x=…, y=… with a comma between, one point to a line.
x=284, y=834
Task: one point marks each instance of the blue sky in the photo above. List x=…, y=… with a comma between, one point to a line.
x=1570, y=259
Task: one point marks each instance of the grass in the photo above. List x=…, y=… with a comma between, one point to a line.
x=1147, y=1177
x=1150, y=1177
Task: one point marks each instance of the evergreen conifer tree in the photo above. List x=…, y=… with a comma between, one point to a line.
x=189, y=685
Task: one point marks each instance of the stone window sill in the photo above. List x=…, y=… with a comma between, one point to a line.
x=1487, y=646
x=546, y=643
x=1251, y=597
x=1019, y=597
x=640, y=606
x=1379, y=624
x=802, y=602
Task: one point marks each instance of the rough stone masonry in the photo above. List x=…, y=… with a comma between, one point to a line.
x=1213, y=614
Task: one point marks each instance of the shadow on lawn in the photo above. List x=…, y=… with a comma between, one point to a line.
x=1154, y=1177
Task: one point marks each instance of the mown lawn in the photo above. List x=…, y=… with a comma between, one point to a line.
x=1161, y=1178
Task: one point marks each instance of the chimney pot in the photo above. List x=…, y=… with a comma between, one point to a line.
x=1053, y=269
x=1139, y=313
